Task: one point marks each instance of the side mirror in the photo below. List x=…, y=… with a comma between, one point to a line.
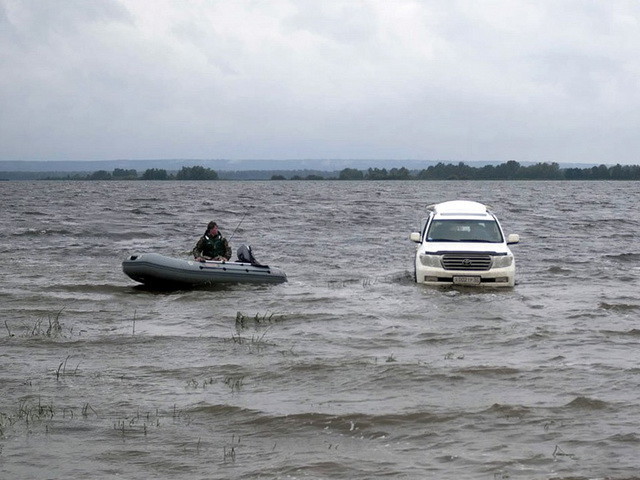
x=415, y=237
x=513, y=238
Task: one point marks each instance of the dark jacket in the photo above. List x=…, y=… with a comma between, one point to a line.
x=212, y=247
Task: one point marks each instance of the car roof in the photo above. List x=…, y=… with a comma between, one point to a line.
x=459, y=209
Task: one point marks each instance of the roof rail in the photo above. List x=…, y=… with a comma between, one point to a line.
x=432, y=207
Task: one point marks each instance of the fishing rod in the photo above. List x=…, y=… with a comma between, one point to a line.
x=238, y=226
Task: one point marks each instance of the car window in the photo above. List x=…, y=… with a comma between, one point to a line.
x=464, y=231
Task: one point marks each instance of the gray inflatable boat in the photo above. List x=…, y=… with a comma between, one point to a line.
x=157, y=270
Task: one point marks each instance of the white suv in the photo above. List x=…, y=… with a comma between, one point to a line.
x=462, y=243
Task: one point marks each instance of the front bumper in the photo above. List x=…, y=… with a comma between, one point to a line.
x=496, y=277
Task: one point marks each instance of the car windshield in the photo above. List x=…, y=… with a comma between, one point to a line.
x=485, y=231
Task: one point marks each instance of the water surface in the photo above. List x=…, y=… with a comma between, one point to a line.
x=349, y=370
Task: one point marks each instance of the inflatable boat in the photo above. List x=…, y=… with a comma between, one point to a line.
x=153, y=269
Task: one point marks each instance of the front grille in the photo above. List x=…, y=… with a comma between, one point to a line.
x=466, y=261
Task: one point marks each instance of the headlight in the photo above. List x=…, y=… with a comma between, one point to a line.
x=430, y=260
x=502, y=262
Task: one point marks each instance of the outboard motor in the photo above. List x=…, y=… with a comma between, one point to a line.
x=245, y=255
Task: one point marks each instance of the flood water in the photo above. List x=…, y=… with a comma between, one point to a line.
x=348, y=371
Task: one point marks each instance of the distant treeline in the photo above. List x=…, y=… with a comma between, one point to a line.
x=186, y=173
x=510, y=170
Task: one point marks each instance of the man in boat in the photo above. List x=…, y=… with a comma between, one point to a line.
x=212, y=245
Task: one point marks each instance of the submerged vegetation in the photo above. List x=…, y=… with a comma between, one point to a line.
x=43, y=327
x=242, y=320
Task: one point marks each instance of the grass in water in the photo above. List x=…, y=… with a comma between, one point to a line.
x=234, y=383
x=229, y=451
x=49, y=327
x=62, y=369
x=255, y=343
x=244, y=321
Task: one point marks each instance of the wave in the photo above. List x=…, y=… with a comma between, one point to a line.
x=139, y=211
x=224, y=211
x=224, y=410
x=508, y=410
x=625, y=438
x=488, y=371
x=624, y=257
x=434, y=338
x=87, y=288
x=559, y=270
x=342, y=423
x=331, y=469
x=619, y=307
x=34, y=232
x=37, y=214
x=558, y=358
x=616, y=222
x=586, y=403
x=402, y=277
x=153, y=200
x=634, y=332
x=130, y=235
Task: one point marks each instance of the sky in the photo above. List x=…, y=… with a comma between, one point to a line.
x=447, y=80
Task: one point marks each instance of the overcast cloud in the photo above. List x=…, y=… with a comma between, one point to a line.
x=452, y=80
